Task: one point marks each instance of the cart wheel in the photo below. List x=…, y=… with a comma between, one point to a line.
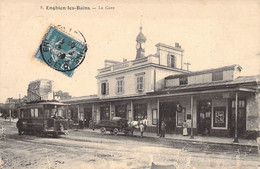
x=55, y=134
x=103, y=130
x=115, y=131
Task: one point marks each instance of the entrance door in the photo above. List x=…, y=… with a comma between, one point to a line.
x=87, y=116
x=241, y=118
x=204, y=117
x=168, y=114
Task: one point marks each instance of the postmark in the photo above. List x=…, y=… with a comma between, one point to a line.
x=61, y=51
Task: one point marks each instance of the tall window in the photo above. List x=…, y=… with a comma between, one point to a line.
x=104, y=88
x=173, y=61
x=217, y=76
x=140, y=84
x=120, y=86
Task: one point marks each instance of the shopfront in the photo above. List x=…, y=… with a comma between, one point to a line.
x=104, y=112
x=121, y=110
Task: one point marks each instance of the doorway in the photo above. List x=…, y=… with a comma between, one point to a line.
x=87, y=116
x=168, y=114
x=204, y=117
x=241, y=117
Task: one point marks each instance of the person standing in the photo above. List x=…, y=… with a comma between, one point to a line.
x=19, y=126
x=185, y=128
x=163, y=125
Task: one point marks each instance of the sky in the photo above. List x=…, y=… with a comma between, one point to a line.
x=212, y=34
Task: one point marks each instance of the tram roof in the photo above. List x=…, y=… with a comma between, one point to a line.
x=45, y=102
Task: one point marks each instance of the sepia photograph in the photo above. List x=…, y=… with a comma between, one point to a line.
x=107, y=84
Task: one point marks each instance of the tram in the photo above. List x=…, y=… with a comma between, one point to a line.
x=43, y=118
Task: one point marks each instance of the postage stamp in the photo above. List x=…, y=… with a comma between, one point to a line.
x=61, y=51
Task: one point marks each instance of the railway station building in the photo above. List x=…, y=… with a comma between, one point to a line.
x=215, y=102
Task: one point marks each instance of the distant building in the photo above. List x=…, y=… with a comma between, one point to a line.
x=60, y=95
x=40, y=90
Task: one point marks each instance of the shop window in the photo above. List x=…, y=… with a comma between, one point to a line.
x=105, y=88
x=140, y=111
x=154, y=118
x=120, y=86
x=121, y=110
x=105, y=113
x=183, y=80
x=216, y=76
x=140, y=84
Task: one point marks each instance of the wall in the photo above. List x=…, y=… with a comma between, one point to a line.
x=228, y=75
x=203, y=78
x=163, y=53
x=129, y=83
x=253, y=113
x=161, y=74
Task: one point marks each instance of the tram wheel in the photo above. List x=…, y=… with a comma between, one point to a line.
x=103, y=130
x=115, y=131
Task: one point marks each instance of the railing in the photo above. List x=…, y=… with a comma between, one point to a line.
x=123, y=65
x=106, y=69
x=120, y=66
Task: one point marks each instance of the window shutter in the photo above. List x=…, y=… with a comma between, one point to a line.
x=123, y=86
x=103, y=88
x=107, y=89
x=143, y=84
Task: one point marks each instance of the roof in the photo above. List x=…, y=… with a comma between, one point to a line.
x=230, y=67
x=169, y=47
x=239, y=82
x=140, y=37
x=44, y=102
x=81, y=98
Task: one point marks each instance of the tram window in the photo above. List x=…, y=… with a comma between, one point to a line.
x=60, y=113
x=35, y=112
x=53, y=112
x=32, y=112
x=47, y=113
x=21, y=113
x=40, y=112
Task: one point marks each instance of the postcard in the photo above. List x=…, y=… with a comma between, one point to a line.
x=129, y=84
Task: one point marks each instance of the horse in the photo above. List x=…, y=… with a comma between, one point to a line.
x=141, y=125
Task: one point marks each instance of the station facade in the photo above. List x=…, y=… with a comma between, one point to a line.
x=216, y=102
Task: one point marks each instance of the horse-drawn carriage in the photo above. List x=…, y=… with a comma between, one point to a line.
x=115, y=126
x=118, y=124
